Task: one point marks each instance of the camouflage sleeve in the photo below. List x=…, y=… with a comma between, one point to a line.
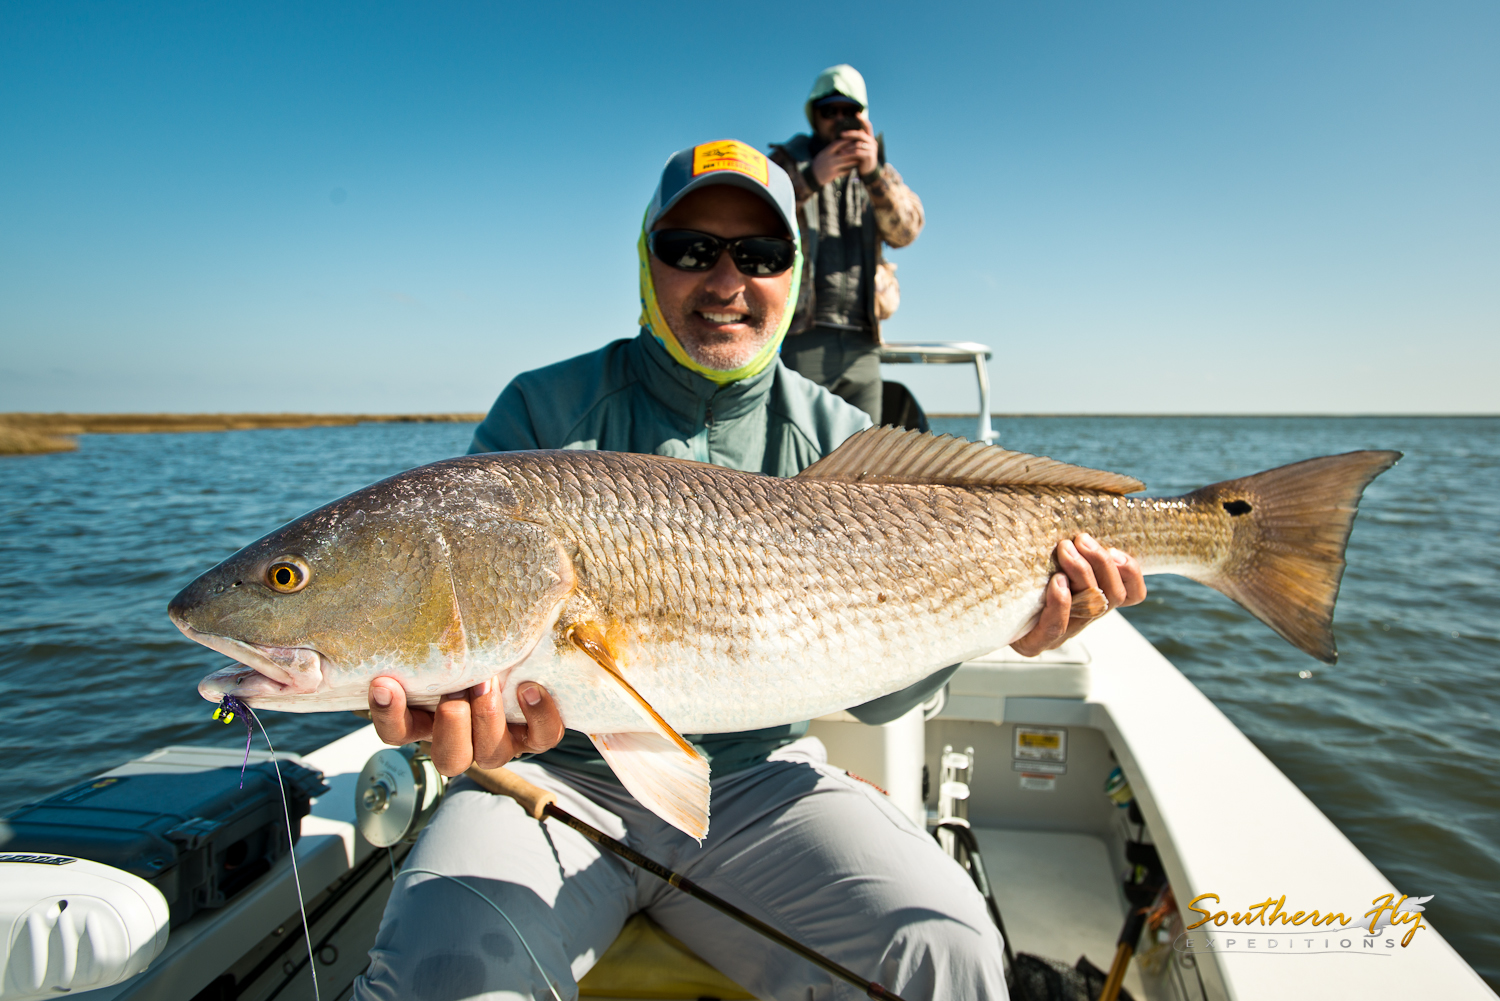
x=800, y=185
x=898, y=210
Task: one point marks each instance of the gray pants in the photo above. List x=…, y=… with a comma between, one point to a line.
x=794, y=841
x=844, y=362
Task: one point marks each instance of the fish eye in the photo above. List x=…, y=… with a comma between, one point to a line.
x=287, y=574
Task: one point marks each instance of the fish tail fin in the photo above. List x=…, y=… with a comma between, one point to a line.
x=1291, y=526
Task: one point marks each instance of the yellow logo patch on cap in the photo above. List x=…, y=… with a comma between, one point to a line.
x=730, y=154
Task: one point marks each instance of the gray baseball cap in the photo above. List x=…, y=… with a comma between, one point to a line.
x=727, y=161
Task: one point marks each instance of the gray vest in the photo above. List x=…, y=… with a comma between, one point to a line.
x=841, y=248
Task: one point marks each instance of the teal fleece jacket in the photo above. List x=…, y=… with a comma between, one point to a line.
x=630, y=396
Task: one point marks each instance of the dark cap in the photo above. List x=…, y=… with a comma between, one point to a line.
x=837, y=99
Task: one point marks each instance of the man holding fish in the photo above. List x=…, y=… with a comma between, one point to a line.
x=590, y=573
x=795, y=841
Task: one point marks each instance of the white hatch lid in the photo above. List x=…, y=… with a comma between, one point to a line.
x=73, y=925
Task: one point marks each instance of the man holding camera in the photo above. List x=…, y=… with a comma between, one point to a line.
x=849, y=203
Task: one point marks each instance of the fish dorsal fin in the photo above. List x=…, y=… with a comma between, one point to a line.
x=895, y=455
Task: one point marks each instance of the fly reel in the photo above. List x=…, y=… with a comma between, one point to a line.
x=397, y=794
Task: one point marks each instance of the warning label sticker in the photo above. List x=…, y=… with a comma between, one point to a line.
x=1040, y=743
x=1038, y=783
x=1039, y=767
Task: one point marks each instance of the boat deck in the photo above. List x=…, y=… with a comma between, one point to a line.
x=1058, y=894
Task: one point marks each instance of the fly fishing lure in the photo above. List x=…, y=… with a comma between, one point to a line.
x=225, y=712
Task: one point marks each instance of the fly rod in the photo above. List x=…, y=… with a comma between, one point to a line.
x=542, y=804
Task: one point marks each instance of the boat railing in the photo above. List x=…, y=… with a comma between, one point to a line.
x=948, y=353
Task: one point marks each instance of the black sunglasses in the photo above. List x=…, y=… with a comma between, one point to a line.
x=830, y=111
x=689, y=250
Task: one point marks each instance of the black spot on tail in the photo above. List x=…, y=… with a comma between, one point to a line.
x=1237, y=507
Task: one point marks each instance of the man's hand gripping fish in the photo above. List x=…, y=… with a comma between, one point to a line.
x=654, y=597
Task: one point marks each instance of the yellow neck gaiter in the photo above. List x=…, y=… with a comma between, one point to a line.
x=652, y=319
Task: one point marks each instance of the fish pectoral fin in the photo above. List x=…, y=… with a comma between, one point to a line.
x=893, y=455
x=665, y=773
x=656, y=773
x=588, y=637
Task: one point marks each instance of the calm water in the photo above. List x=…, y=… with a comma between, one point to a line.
x=1396, y=743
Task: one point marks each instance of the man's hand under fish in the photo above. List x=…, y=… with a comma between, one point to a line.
x=469, y=727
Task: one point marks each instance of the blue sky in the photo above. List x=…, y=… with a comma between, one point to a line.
x=1144, y=207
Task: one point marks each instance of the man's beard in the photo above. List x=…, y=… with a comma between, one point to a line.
x=718, y=351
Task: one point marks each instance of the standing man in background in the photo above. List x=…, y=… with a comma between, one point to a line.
x=849, y=202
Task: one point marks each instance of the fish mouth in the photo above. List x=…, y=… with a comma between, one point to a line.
x=261, y=669
x=244, y=683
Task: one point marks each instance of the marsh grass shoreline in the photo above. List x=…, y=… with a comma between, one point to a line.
x=15, y=441
x=36, y=433
x=23, y=433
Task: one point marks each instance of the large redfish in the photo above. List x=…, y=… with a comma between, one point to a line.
x=654, y=597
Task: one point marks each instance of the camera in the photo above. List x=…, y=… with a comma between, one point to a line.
x=847, y=124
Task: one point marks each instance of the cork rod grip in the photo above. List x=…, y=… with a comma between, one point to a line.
x=504, y=782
